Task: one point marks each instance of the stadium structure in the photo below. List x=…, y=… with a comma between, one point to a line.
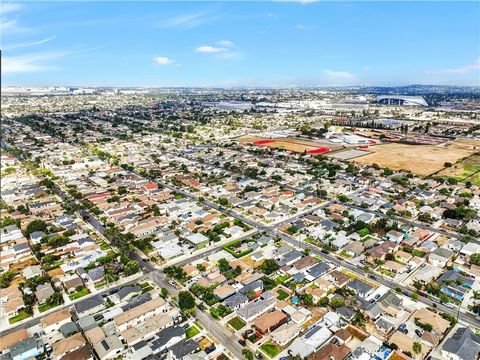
x=402, y=100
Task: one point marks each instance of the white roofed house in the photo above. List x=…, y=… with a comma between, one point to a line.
x=440, y=257
x=198, y=240
x=315, y=337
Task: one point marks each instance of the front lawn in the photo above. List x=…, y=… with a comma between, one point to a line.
x=146, y=287
x=220, y=311
x=46, y=307
x=237, y=323
x=22, y=315
x=191, y=332
x=271, y=349
x=80, y=293
x=282, y=295
x=281, y=279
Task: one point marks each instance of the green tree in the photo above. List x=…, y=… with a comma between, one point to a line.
x=323, y=302
x=35, y=225
x=223, y=265
x=223, y=201
x=247, y=354
x=250, y=294
x=337, y=303
x=475, y=259
x=308, y=300
x=269, y=266
x=292, y=229
x=131, y=267
x=49, y=259
x=164, y=292
x=390, y=256
x=417, y=347
x=5, y=278
x=186, y=301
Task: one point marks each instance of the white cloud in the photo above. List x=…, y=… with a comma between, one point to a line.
x=29, y=63
x=186, y=21
x=304, y=27
x=226, y=43
x=207, y=49
x=339, y=77
x=163, y=60
x=7, y=24
x=461, y=69
x=11, y=26
x=32, y=43
x=8, y=7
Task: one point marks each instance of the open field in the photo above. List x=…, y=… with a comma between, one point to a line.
x=419, y=159
x=465, y=170
x=291, y=144
x=248, y=139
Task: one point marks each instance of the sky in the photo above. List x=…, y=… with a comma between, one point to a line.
x=240, y=44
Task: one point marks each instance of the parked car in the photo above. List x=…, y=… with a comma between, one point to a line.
x=210, y=349
x=419, y=332
x=246, y=333
x=242, y=342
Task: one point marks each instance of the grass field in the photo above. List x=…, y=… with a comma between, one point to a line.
x=237, y=323
x=22, y=315
x=191, y=332
x=282, y=295
x=271, y=349
x=422, y=160
x=78, y=294
x=466, y=170
x=46, y=307
x=282, y=278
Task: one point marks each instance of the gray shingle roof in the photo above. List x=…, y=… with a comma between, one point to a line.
x=464, y=343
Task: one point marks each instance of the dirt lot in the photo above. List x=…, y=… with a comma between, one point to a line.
x=419, y=159
x=466, y=170
x=290, y=144
x=248, y=139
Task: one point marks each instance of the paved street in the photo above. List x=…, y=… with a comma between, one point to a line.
x=205, y=319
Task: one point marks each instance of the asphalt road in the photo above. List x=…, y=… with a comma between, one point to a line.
x=205, y=319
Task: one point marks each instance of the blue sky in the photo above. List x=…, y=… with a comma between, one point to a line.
x=284, y=43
